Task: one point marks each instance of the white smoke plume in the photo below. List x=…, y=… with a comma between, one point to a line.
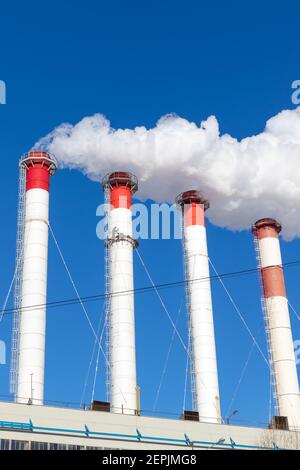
x=256, y=177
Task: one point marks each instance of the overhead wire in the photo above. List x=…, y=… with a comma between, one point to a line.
x=161, y=301
x=8, y=295
x=166, y=361
x=79, y=299
x=154, y=287
x=141, y=290
x=241, y=377
x=17, y=267
x=188, y=360
x=72, y=281
x=240, y=315
x=97, y=359
x=91, y=362
x=293, y=310
x=186, y=348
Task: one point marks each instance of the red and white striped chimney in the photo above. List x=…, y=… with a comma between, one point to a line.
x=30, y=387
x=123, y=391
x=278, y=324
x=202, y=336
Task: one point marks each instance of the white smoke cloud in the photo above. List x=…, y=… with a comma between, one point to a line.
x=256, y=177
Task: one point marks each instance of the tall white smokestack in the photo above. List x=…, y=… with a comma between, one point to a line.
x=201, y=326
x=30, y=387
x=122, y=361
x=278, y=326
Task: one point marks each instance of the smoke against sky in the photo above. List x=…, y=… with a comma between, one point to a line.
x=244, y=180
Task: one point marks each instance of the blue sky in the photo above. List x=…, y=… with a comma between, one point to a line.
x=135, y=61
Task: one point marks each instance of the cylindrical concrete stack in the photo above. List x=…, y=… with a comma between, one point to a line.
x=278, y=320
x=30, y=387
x=122, y=363
x=202, y=336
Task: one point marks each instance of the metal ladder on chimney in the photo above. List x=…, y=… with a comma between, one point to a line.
x=107, y=277
x=188, y=306
x=267, y=324
x=14, y=361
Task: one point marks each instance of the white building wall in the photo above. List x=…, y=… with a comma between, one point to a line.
x=161, y=431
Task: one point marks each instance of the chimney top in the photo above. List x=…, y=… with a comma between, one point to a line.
x=39, y=158
x=192, y=197
x=266, y=223
x=120, y=178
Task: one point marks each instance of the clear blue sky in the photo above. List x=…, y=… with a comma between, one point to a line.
x=134, y=61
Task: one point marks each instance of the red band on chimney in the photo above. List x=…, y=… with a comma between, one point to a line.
x=266, y=232
x=120, y=197
x=38, y=176
x=194, y=214
x=273, y=281
x=264, y=228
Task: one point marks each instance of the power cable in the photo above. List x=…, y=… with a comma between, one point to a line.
x=7, y=296
x=240, y=315
x=141, y=290
x=236, y=390
x=188, y=359
x=97, y=360
x=166, y=361
x=80, y=300
x=161, y=301
x=91, y=362
x=293, y=310
x=72, y=282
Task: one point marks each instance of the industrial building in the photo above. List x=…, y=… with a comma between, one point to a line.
x=117, y=423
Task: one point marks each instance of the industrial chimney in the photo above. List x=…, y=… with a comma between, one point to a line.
x=204, y=375
x=119, y=187
x=30, y=381
x=277, y=320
